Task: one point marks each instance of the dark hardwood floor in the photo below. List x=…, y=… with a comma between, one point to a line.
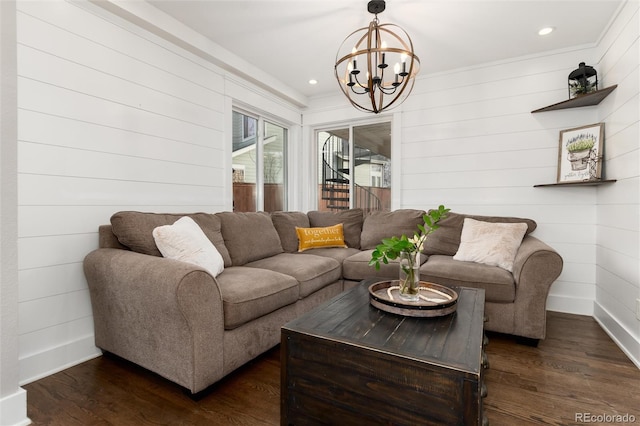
x=576, y=374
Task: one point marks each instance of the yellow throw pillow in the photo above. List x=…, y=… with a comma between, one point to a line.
x=331, y=236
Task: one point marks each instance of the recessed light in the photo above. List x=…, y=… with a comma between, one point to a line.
x=545, y=31
x=312, y=81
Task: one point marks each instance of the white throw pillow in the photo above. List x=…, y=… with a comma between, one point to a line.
x=494, y=244
x=185, y=241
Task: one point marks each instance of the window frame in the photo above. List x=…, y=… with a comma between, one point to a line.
x=260, y=136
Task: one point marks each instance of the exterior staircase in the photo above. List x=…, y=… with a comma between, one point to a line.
x=336, y=177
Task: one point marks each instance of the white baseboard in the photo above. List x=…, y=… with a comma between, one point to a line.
x=13, y=409
x=570, y=305
x=53, y=360
x=620, y=335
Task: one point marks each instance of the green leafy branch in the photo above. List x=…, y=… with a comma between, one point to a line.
x=391, y=248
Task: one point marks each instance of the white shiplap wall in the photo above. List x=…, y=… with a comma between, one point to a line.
x=469, y=141
x=618, y=205
x=110, y=117
x=13, y=399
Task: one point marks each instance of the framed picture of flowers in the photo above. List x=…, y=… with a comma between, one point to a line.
x=580, y=153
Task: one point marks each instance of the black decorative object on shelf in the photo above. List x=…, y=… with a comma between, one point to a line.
x=582, y=80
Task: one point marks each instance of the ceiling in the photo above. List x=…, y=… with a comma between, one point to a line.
x=297, y=40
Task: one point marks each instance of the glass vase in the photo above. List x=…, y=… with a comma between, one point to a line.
x=409, y=275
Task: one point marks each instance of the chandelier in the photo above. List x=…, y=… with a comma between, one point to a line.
x=375, y=65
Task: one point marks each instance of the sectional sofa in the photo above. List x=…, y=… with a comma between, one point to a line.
x=194, y=326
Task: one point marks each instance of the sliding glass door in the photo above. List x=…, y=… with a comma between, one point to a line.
x=355, y=167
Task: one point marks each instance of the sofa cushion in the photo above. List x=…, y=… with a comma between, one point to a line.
x=494, y=244
x=312, y=272
x=249, y=293
x=378, y=225
x=357, y=267
x=134, y=230
x=329, y=236
x=351, y=221
x=185, y=241
x=497, y=283
x=336, y=253
x=446, y=239
x=249, y=236
x=285, y=224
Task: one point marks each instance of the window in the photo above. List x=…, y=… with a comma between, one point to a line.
x=355, y=167
x=258, y=163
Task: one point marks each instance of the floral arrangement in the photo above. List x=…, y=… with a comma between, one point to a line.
x=392, y=247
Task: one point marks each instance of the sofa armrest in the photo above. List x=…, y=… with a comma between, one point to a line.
x=164, y=315
x=536, y=267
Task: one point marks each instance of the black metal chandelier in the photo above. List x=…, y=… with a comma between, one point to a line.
x=363, y=60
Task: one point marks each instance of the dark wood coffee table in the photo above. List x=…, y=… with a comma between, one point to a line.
x=347, y=362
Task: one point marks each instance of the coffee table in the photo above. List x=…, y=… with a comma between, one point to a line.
x=347, y=362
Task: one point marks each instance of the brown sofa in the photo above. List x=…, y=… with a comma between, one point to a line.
x=177, y=320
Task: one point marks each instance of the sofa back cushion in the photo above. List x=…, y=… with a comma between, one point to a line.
x=249, y=236
x=493, y=244
x=351, y=223
x=285, y=224
x=380, y=224
x=446, y=239
x=135, y=230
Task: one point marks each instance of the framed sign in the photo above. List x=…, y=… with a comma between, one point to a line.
x=580, y=153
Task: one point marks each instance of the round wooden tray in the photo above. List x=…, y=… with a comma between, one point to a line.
x=435, y=300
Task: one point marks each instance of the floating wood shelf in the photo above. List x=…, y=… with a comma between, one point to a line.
x=581, y=183
x=581, y=101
